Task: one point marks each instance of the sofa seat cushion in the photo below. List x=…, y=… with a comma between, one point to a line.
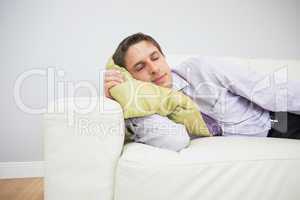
x=211, y=168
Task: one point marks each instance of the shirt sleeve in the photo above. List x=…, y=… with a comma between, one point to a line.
x=273, y=91
x=158, y=131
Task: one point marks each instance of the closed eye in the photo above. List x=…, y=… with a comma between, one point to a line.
x=155, y=57
x=139, y=67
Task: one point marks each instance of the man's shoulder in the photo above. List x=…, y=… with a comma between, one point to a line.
x=191, y=60
x=194, y=65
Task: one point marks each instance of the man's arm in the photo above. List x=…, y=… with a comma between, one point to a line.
x=159, y=131
x=271, y=92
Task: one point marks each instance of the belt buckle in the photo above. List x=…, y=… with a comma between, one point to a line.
x=274, y=120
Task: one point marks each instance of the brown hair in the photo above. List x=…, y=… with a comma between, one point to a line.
x=119, y=55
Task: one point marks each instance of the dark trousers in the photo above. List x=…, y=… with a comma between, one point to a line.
x=285, y=125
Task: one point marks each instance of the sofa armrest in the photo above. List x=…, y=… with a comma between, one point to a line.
x=83, y=140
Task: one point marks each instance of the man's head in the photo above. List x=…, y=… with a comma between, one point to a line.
x=143, y=58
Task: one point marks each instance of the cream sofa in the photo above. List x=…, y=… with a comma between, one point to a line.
x=86, y=159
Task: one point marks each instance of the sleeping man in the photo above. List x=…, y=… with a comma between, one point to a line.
x=228, y=96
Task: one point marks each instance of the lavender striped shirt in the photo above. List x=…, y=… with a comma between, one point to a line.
x=233, y=100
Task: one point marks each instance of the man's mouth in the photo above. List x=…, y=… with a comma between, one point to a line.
x=160, y=79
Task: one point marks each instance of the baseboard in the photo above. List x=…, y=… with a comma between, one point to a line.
x=21, y=169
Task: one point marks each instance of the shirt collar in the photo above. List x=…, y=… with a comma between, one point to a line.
x=178, y=83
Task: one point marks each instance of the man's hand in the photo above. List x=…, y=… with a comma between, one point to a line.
x=112, y=78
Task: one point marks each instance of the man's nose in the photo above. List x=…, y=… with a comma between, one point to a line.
x=154, y=69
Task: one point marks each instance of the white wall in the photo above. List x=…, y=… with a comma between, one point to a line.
x=77, y=37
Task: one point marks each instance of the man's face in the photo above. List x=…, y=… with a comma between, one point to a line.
x=145, y=62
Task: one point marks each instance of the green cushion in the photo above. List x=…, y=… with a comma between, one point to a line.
x=139, y=98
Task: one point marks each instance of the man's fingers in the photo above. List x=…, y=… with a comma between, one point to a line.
x=113, y=78
x=112, y=72
x=113, y=75
x=109, y=85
